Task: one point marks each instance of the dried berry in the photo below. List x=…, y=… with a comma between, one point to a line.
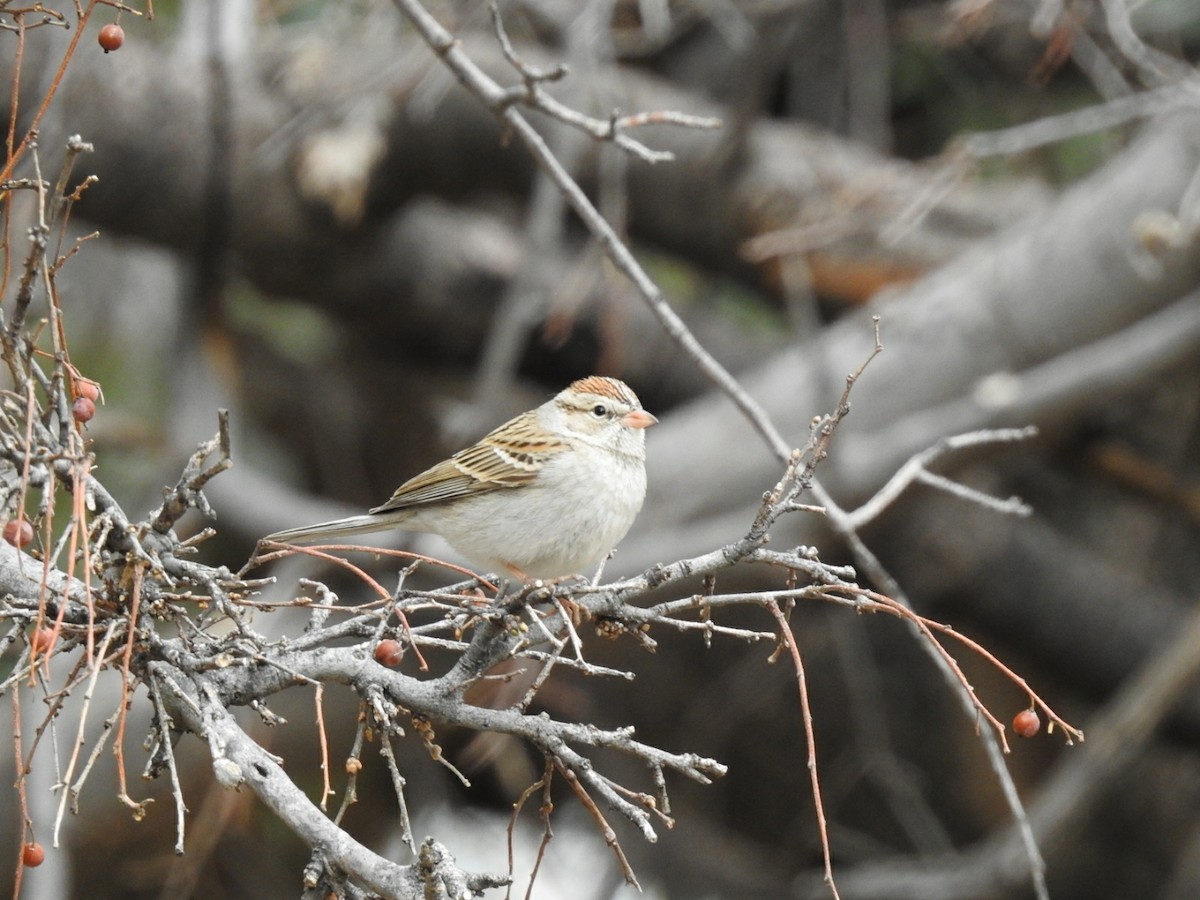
x=18, y=532
x=111, y=37
x=32, y=854
x=1026, y=723
x=85, y=387
x=389, y=652
x=42, y=640
x=83, y=409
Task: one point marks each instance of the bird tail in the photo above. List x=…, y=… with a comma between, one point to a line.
x=338, y=528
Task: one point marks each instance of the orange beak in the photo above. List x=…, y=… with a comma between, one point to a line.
x=638, y=418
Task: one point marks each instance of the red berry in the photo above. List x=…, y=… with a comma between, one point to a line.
x=42, y=640
x=1026, y=723
x=32, y=854
x=18, y=532
x=85, y=387
x=83, y=409
x=112, y=37
x=389, y=652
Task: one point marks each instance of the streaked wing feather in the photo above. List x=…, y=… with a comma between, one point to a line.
x=435, y=485
x=508, y=457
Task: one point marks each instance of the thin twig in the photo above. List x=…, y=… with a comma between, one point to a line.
x=164, y=735
x=917, y=469
x=326, y=789
x=606, y=831
x=97, y=664
x=398, y=784
x=789, y=641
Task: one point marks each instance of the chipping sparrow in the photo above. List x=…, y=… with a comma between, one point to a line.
x=546, y=494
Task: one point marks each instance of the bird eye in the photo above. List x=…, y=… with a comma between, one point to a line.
x=599, y=410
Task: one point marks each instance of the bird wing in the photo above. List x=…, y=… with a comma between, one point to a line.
x=508, y=457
